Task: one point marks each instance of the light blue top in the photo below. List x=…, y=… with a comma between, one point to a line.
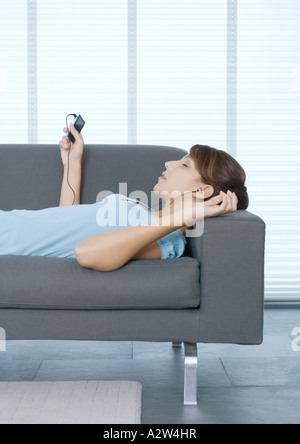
x=55, y=232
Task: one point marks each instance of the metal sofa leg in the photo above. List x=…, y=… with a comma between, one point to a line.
x=190, y=373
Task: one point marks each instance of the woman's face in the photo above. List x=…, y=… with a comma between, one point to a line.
x=180, y=176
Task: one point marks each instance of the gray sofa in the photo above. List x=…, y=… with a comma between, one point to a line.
x=212, y=294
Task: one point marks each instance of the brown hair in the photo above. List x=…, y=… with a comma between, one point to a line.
x=220, y=170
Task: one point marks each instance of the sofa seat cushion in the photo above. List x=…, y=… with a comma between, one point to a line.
x=57, y=283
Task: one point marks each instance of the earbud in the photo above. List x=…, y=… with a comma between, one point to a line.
x=200, y=190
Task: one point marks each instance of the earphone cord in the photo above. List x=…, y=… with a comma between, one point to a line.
x=199, y=190
x=74, y=115
x=68, y=178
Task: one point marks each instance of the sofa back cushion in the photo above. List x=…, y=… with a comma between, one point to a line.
x=31, y=175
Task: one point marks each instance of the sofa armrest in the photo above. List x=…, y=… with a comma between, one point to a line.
x=231, y=254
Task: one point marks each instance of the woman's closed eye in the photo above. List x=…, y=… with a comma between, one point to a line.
x=185, y=165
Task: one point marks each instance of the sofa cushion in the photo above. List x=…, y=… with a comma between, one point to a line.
x=57, y=283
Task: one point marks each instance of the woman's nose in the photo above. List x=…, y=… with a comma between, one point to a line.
x=170, y=163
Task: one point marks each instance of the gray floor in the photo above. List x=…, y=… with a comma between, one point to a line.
x=236, y=384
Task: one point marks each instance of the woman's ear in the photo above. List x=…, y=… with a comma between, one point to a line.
x=208, y=191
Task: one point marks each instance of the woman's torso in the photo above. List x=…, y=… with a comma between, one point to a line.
x=56, y=231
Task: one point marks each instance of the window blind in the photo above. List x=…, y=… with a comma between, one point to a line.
x=13, y=71
x=82, y=68
x=166, y=72
x=268, y=132
x=182, y=72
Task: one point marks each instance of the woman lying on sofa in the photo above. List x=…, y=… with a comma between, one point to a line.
x=212, y=179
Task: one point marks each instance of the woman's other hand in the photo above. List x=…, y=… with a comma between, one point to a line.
x=221, y=204
x=188, y=210
x=76, y=149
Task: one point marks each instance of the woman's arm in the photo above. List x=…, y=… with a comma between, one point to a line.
x=67, y=195
x=71, y=155
x=111, y=250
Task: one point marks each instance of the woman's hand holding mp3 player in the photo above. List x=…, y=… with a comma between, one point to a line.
x=75, y=149
x=71, y=156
